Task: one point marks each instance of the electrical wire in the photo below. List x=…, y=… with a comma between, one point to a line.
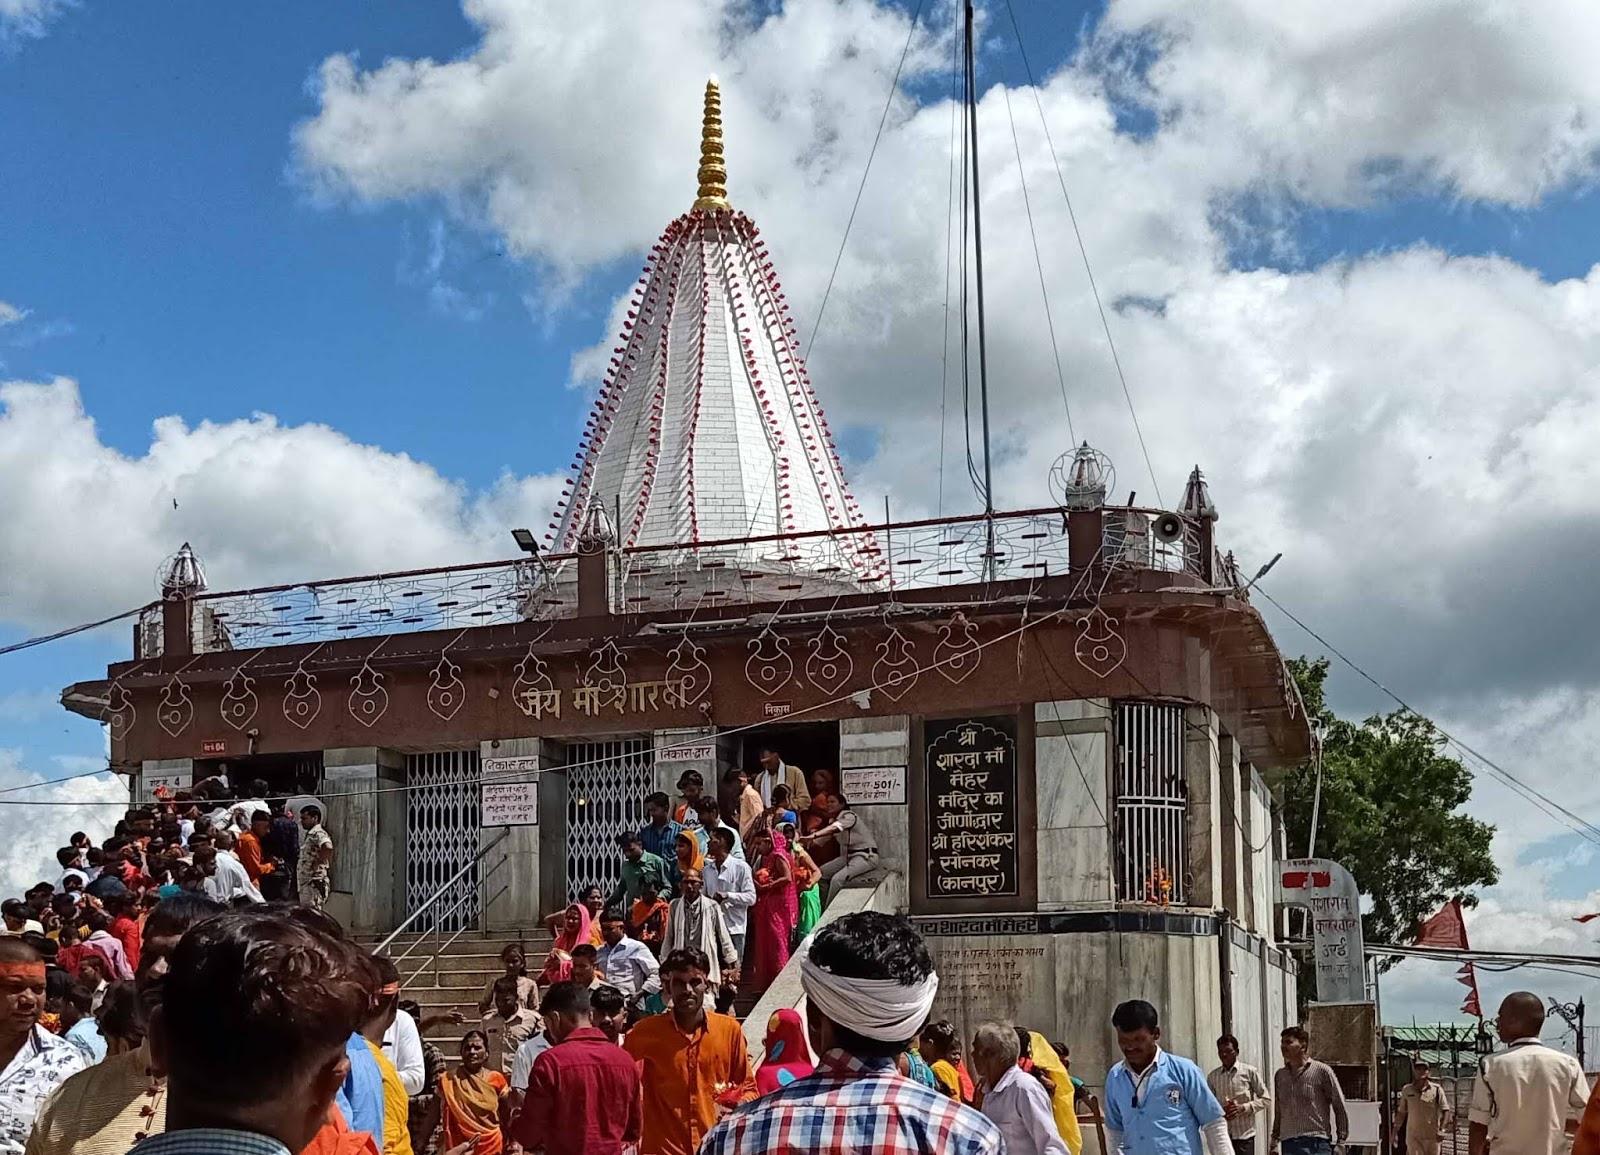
x=1083, y=251
x=1038, y=263
x=949, y=234
x=14, y=647
x=1548, y=805
x=894, y=87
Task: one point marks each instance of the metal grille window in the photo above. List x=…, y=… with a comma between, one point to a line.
x=1151, y=804
x=607, y=783
x=443, y=827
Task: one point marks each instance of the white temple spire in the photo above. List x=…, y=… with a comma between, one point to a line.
x=706, y=427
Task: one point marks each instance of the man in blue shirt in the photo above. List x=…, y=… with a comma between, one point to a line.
x=1156, y=1102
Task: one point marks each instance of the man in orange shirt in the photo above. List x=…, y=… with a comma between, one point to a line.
x=248, y=847
x=693, y=1061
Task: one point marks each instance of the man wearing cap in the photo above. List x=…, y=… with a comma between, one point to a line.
x=869, y=983
x=33, y=1062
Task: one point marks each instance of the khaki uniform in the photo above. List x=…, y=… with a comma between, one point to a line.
x=1425, y=1116
x=1525, y=1096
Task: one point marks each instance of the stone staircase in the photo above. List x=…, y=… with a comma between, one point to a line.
x=456, y=978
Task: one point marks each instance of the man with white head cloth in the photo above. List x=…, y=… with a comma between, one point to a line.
x=869, y=983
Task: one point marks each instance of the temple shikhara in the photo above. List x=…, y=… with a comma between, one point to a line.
x=1063, y=725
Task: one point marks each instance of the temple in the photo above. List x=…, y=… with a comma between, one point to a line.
x=1064, y=725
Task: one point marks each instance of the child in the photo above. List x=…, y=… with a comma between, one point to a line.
x=648, y=918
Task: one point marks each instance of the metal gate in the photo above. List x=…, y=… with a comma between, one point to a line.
x=1151, y=804
x=607, y=783
x=443, y=828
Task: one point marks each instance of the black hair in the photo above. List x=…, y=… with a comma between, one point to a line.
x=690, y=776
x=67, y=856
x=844, y=803
x=565, y=998
x=80, y=997
x=258, y=788
x=1024, y=1043
x=707, y=802
x=1296, y=1032
x=607, y=999
x=586, y=950
x=505, y=985
x=871, y=945
x=1228, y=1041
x=1136, y=1015
x=77, y=834
x=631, y=838
x=766, y=748
x=660, y=799
x=260, y=816
x=119, y=1016
x=17, y=950
x=611, y=914
x=295, y=992
x=315, y=810
x=724, y=834
x=681, y=960
x=942, y=1035
x=14, y=908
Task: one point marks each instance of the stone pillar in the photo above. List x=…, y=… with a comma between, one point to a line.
x=1072, y=778
x=876, y=743
x=369, y=835
x=1204, y=813
x=1251, y=837
x=512, y=871
x=1231, y=845
x=173, y=773
x=673, y=756
x=553, y=791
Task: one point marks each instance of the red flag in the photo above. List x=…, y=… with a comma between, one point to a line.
x=1471, y=1006
x=1587, y=917
x=1446, y=929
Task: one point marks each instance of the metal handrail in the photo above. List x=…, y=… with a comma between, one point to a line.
x=440, y=893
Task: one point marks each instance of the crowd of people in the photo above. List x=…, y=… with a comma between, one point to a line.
x=180, y=990
x=743, y=893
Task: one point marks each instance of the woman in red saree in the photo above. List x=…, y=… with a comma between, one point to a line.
x=575, y=929
x=777, y=908
x=469, y=1099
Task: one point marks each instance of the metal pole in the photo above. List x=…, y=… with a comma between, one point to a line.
x=1316, y=802
x=977, y=246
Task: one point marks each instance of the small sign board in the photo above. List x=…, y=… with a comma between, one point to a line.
x=973, y=831
x=166, y=785
x=692, y=752
x=873, y=785
x=502, y=769
x=776, y=709
x=510, y=804
x=214, y=746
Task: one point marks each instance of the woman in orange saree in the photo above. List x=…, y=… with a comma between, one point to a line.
x=470, y=1098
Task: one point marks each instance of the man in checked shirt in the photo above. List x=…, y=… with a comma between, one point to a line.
x=869, y=984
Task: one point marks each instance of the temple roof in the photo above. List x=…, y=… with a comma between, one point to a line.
x=706, y=427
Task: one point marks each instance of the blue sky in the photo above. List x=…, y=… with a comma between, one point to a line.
x=173, y=259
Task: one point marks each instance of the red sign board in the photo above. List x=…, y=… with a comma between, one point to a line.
x=214, y=746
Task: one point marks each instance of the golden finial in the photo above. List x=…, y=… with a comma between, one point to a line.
x=713, y=170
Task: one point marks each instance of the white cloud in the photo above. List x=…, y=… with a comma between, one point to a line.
x=10, y=314
x=260, y=501
x=28, y=18
x=1489, y=101
x=31, y=835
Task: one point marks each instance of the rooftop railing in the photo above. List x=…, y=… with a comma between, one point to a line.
x=1027, y=545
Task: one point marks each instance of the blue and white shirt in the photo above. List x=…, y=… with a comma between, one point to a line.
x=41, y=1064
x=1161, y=1110
x=209, y=1141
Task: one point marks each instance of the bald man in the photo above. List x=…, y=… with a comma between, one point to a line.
x=33, y=1062
x=1528, y=1098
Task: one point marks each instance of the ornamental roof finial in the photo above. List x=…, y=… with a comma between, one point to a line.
x=713, y=170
